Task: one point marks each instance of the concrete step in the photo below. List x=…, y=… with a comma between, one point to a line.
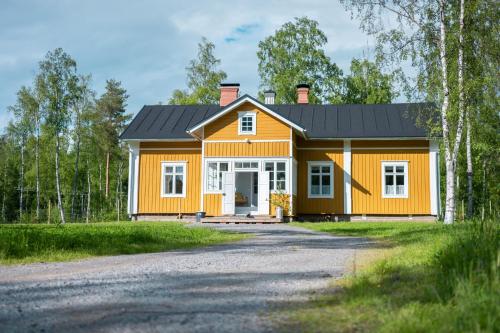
x=241, y=219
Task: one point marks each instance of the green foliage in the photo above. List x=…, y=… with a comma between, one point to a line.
x=427, y=278
x=203, y=78
x=35, y=243
x=366, y=84
x=294, y=55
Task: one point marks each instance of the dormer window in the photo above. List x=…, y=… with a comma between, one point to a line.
x=246, y=123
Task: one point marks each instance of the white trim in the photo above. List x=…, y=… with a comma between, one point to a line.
x=407, y=186
x=251, y=114
x=173, y=149
x=375, y=139
x=390, y=148
x=247, y=159
x=290, y=173
x=133, y=177
x=324, y=148
x=202, y=194
x=243, y=141
x=434, y=176
x=184, y=179
x=240, y=102
x=331, y=164
x=347, y=177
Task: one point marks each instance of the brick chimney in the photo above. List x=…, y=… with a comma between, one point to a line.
x=228, y=93
x=302, y=93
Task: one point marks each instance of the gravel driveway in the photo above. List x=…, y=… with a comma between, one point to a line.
x=222, y=288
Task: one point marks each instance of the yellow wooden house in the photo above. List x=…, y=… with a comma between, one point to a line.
x=241, y=156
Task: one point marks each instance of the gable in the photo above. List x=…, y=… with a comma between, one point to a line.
x=268, y=127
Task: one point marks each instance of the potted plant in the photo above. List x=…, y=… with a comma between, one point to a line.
x=281, y=201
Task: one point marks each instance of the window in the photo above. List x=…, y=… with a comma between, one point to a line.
x=214, y=175
x=277, y=175
x=320, y=179
x=173, y=179
x=395, y=179
x=246, y=165
x=246, y=123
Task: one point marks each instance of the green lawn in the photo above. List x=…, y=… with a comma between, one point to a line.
x=25, y=243
x=424, y=278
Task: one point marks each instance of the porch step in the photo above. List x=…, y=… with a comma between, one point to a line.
x=242, y=219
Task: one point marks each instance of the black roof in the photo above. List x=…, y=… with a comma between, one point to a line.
x=320, y=121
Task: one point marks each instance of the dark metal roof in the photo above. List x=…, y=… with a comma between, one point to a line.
x=320, y=121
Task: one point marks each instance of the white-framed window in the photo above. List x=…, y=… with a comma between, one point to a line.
x=214, y=175
x=395, y=179
x=247, y=123
x=173, y=179
x=277, y=175
x=246, y=165
x=320, y=179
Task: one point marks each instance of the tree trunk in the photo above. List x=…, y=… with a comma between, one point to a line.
x=107, y=174
x=4, y=219
x=88, y=194
x=75, y=178
x=21, y=182
x=470, y=198
x=58, y=185
x=37, y=166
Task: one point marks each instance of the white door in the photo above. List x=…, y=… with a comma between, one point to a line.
x=264, y=193
x=228, y=185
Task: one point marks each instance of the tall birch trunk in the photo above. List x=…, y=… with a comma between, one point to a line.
x=470, y=198
x=4, y=219
x=75, y=177
x=88, y=194
x=58, y=185
x=37, y=167
x=21, y=181
x=451, y=149
x=107, y=174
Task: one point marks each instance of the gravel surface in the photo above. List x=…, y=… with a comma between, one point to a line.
x=223, y=288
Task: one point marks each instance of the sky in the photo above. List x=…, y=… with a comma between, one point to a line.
x=147, y=44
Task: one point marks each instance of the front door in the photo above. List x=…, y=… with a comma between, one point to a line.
x=246, y=196
x=228, y=181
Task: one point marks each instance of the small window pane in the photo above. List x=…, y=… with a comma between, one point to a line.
x=315, y=180
x=280, y=166
x=325, y=189
x=179, y=169
x=246, y=165
x=254, y=164
x=280, y=185
x=168, y=184
x=178, y=184
x=389, y=180
x=325, y=169
x=315, y=169
x=169, y=169
x=400, y=169
x=238, y=165
x=389, y=169
x=281, y=176
x=400, y=180
x=224, y=167
x=269, y=166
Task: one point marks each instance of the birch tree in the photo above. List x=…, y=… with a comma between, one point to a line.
x=420, y=34
x=58, y=83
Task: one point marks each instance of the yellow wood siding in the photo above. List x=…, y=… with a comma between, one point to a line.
x=150, y=200
x=367, y=182
x=301, y=143
x=243, y=149
x=389, y=143
x=226, y=127
x=304, y=205
x=213, y=204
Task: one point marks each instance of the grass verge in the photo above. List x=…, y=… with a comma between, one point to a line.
x=41, y=243
x=431, y=278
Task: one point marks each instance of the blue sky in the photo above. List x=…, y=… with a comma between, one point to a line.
x=147, y=44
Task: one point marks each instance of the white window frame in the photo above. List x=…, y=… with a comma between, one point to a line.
x=310, y=164
x=210, y=191
x=394, y=164
x=287, y=174
x=251, y=114
x=184, y=179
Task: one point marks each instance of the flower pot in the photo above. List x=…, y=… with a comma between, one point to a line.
x=279, y=213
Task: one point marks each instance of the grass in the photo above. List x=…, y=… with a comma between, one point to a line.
x=25, y=243
x=427, y=278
